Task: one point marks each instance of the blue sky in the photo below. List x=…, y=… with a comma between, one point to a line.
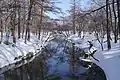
x=65, y=5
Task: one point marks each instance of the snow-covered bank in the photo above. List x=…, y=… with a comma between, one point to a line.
x=11, y=53
x=109, y=62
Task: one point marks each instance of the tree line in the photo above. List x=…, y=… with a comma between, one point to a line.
x=20, y=18
x=29, y=16
x=102, y=17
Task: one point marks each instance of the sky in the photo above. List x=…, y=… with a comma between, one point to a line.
x=65, y=6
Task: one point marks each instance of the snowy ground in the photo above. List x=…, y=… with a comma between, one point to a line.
x=108, y=60
x=8, y=53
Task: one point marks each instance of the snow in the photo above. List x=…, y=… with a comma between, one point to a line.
x=86, y=60
x=75, y=39
x=109, y=61
x=9, y=52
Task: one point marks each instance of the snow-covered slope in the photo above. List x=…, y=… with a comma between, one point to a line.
x=11, y=53
x=109, y=61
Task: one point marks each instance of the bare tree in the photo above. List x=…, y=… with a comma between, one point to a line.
x=115, y=21
x=74, y=5
x=118, y=9
x=40, y=19
x=27, y=33
x=107, y=26
x=1, y=29
x=19, y=15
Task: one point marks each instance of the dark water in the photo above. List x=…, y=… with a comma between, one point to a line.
x=62, y=69
x=60, y=63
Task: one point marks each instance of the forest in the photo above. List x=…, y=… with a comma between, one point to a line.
x=76, y=45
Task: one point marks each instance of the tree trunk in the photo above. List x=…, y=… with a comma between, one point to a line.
x=27, y=33
x=40, y=21
x=118, y=9
x=107, y=26
x=79, y=29
x=13, y=22
x=23, y=30
x=19, y=29
x=1, y=30
x=24, y=18
x=115, y=26
x=111, y=25
x=74, y=17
